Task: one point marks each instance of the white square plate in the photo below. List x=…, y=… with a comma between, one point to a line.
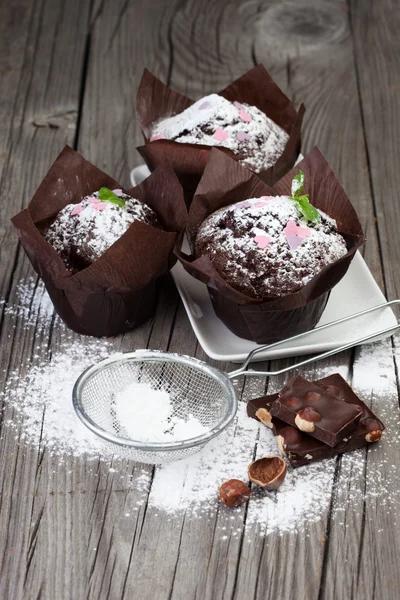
x=357, y=291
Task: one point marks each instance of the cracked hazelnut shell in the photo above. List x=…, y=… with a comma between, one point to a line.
x=268, y=472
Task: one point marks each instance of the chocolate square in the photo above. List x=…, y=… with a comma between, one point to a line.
x=300, y=448
x=315, y=411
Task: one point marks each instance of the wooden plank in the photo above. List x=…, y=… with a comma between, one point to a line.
x=373, y=558
x=375, y=43
x=41, y=99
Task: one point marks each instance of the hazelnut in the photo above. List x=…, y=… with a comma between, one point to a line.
x=291, y=401
x=288, y=436
x=268, y=472
x=280, y=441
x=375, y=432
x=265, y=417
x=234, y=492
x=313, y=397
x=306, y=418
x=374, y=436
x=332, y=389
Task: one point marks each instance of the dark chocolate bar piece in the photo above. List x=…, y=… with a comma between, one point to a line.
x=369, y=425
x=300, y=448
x=316, y=412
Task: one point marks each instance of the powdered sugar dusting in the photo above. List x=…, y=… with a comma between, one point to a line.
x=373, y=371
x=39, y=407
x=293, y=253
x=214, y=121
x=194, y=482
x=33, y=305
x=42, y=402
x=82, y=232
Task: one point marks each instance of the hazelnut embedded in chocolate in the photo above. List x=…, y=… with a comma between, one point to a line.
x=374, y=436
x=268, y=472
x=313, y=397
x=332, y=389
x=234, y=492
x=264, y=416
x=374, y=430
x=280, y=440
x=288, y=438
x=292, y=401
x=306, y=418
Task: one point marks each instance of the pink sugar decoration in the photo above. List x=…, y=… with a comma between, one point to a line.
x=221, y=135
x=93, y=200
x=293, y=241
x=238, y=105
x=295, y=234
x=245, y=204
x=118, y=192
x=244, y=116
x=262, y=241
x=242, y=136
x=100, y=206
x=159, y=136
x=293, y=229
x=205, y=104
x=261, y=204
x=75, y=211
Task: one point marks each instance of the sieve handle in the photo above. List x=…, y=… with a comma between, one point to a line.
x=389, y=330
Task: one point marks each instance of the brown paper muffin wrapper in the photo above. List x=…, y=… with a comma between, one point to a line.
x=225, y=182
x=155, y=100
x=118, y=291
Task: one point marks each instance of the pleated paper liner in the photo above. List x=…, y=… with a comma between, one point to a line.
x=118, y=291
x=225, y=182
x=155, y=100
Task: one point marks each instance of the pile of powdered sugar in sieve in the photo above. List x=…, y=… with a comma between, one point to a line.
x=38, y=406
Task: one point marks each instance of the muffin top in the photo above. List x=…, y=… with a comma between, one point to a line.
x=215, y=121
x=265, y=249
x=82, y=232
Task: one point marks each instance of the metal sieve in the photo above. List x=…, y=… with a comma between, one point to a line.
x=194, y=387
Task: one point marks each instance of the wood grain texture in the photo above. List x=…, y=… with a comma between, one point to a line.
x=74, y=528
x=41, y=99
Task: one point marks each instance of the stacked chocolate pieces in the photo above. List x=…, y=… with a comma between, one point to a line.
x=316, y=420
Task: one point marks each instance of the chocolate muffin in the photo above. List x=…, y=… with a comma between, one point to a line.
x=265, y=249
x=214, y=121
x=82, y=232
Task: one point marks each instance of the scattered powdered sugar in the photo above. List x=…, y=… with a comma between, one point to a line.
x=42, y=402
x=373, y=370
x=33, y=303
x=193, y=483
x=215, y=121
x=38, y=406
x=147, y=415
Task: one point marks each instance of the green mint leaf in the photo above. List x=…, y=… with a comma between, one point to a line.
x=107, y=195
x=302, y=203
x=306, y=209
x=297, y=183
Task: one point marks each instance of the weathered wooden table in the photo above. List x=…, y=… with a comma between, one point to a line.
x=69, y=73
